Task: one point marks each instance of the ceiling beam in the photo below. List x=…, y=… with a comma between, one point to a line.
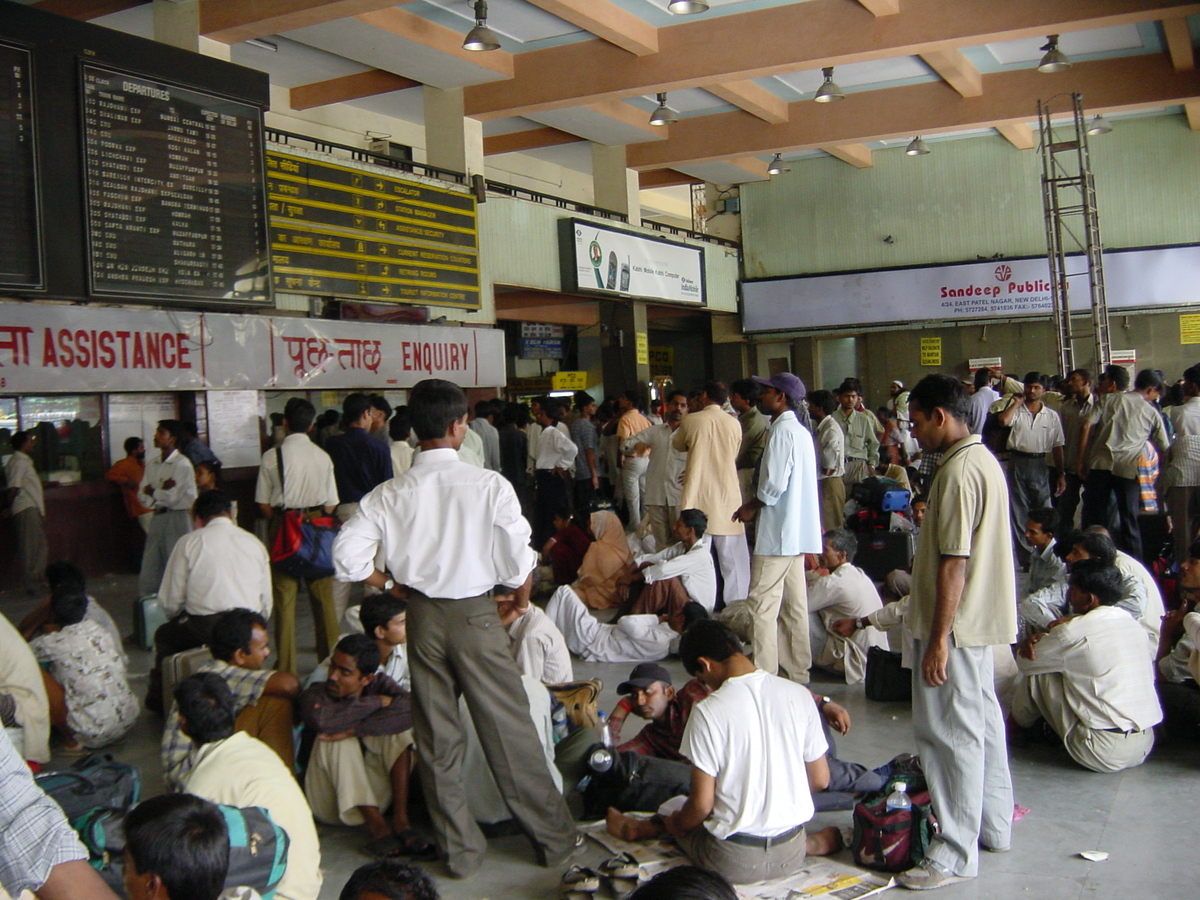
x=1179, y=44
x=1127, y=83
x=607, y=21
x=232, y=22
x=533, y=139
x=1019, y=134
x=881, y=7
x=751, y=165
x=956, y=70
x=752, y=98
x=858, y=155
x=85, y=10
x=349, y=87
x=412, y=27
x=1193, y=114
x=789, y=38
x=661, y=178
x=631, y=116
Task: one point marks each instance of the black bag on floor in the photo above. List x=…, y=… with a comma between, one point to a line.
x=635, y=783
x=95, y=780
x=887, y=680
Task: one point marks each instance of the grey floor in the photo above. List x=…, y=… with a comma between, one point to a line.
x=1143, y=818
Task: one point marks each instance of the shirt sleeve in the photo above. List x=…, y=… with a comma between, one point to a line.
x=699, y=745
x=264, y=488
x=815, y=745
x=357, y=543
x=184, y=491
x=671, y=566
x=776, y=467
x=1050, y=652
x=172, y=590
x=512, y=556
x=266, y=598
x=957, y=514
x=630, y=443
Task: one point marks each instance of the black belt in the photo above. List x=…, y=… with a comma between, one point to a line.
x=1023, y=455
x=158, y=511
x=765, y=843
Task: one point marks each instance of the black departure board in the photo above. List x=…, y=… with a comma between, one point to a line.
x=346, y=232
x=20, y=236
x=175, y=206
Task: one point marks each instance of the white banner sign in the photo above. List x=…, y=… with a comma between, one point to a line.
x=629, y=265
x=1019, y=287
x=81, y=350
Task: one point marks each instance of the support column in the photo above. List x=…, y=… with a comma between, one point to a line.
x=452, y=141
x=621, y=321
x=178, y=24
x=614, y=185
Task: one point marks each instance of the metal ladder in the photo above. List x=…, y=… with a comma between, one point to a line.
x=1069, y=199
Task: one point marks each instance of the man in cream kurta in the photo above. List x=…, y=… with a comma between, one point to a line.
x=711, y=438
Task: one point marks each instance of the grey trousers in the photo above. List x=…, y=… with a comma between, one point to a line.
x=165, y=529
x=1028, y=489
x=32, y=552
x=741, y=864
x=732, y=554
x=959, y=729
x=460, y=647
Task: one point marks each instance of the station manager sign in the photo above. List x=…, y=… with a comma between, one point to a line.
x=596, y=259
x=46, y=348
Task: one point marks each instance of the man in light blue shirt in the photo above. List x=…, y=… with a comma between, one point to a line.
x=789, y=526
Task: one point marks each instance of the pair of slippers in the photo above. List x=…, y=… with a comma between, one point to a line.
x=408, y=843
x=622, y=872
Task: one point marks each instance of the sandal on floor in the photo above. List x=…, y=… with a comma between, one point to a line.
x=409, y=842
x=580, y=879
x=623, y=865
x=622, y=887
x=382, y=848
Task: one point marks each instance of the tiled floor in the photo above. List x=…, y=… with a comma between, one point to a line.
x=1142, y=817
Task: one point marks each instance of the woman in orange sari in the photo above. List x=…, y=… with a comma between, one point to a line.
x=607, y=560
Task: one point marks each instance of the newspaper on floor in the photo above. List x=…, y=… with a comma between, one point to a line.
x=652, y=856
x=822, y=878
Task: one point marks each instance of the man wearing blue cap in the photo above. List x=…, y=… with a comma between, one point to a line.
x=788, y=527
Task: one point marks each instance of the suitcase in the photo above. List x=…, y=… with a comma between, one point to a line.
x=179, y=666
x=879, y=552
x=147, y=616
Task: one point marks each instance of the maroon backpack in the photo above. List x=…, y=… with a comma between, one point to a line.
x=892, y=840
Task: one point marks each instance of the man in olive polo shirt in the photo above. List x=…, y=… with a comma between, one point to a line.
x=961, y=605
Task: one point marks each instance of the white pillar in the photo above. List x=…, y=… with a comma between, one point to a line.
x=452, y=141
x=614, y=185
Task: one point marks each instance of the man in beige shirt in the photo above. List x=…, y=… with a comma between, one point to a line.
x=635, y=463
x=711, y=438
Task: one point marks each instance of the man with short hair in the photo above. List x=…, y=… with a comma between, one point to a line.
x=633, y=464
x=845, y=591
x=389, y=879
x=217, y=567
x=1036, y=431
x=666, y=581
x=664, y=473
x=831, y=458
x=537, y=645
x=297, y=475
x=743, y=397
x=381, y=411
x=27, y=506
x=127, y=475
x=482, y=425
x=168, y=487
x=649, y=694
x=586, y=439
x=193, y=448
x=1109, y=466
x=1045, y=567
x=1088, y=678
x=1078, y=414
x=449, y=533
x=231, y=767
x=982, y=399
x=176, y=846
x=711, y=438
x=555, y=456
x=789, y=525
x=961, y=605
x=858, y=429
x=897, y=404
x=262, y=698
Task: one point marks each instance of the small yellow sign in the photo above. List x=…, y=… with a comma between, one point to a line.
x=643, y=348
x=662, y=356
x=931, y=351
x=1189, y=328
x=569, y=381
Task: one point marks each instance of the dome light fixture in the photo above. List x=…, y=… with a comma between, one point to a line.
x=663, y=115
x=777, y=167
x=686, y=7
x=481, y=38
x=1099, y=125
x=828, y=91
x=1054, y=60
x=917, y=147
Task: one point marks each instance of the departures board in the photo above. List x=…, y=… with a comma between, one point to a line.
x=348, y=232
x=20, y=232
x=173, y=181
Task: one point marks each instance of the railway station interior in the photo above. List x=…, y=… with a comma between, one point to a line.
x=838, y=188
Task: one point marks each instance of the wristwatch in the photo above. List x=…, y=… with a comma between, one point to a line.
x=388, y=585
x=860, y=624
x=822, y=701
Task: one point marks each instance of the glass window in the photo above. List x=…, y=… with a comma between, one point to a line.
x=70, y=444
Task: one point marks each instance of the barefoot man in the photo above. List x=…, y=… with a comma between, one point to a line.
x=757, y=755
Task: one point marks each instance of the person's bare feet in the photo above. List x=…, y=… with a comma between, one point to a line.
x=824, y=842
x=627, y=828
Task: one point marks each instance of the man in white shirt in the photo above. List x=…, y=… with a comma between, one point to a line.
x=27, y=506
x=481, y=424
x=1181, y=479
x=308, y=484
x=555, y=456
x=981, y=401
x=664, y=472
x=169, y=488
x=1088, y=677
x=450, y=533
x=384, y=619
x=1178, y=658
x=399, y=429
x=758, y=755
x=1045, y=567
x=831, y=461
x=683, y=572
x=217, y=567
x=846, y=591
x=239, y=770
x=789, y=526
x=537, y=645
x=631, y=638
x=1036, y=431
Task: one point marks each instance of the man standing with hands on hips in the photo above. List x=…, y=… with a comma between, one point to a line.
x=449, y=532
x=963, y=584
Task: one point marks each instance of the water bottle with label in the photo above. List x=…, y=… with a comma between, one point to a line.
x=601, y=758
x=898, y=798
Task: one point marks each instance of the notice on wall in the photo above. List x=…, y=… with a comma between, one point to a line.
x=931, y=351
x=569, y=381
x=1189, y=328
x=643, y=349
x=985, y=362
x=234, y=428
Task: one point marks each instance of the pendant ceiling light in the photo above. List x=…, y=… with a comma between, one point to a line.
x=777, y=167
x=917, y=147
x=1099, y=125
x=481, y=38
x=828, y=91
x=664, y=115
x=687, y=7
x=1054, y=60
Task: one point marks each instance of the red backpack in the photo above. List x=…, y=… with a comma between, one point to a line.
x=892, y=840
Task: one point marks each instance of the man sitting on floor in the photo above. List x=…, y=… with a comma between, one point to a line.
x=238, y=770
x=1088, y=678
x=1178, y=657
x=631, y=638
x=362, y=758
x=846, y=591
x=384, y=619
x=1046, y=569
x=24, y=706
x=664, y=582
x=176, y=846
x=538, y=647
x=263, y=699
x=218, y=566
x=757, y=755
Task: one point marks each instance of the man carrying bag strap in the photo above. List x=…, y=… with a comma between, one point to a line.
x=311, y=492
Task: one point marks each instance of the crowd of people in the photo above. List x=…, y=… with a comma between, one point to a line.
x=480, y=549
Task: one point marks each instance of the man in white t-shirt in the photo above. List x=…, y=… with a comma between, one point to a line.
x=757, y=755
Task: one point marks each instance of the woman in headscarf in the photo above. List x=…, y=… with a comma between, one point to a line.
x=606, y=561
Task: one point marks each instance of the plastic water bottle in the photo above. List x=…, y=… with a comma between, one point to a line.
x=898, y=798
x=601, y=759
x=606, y=737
